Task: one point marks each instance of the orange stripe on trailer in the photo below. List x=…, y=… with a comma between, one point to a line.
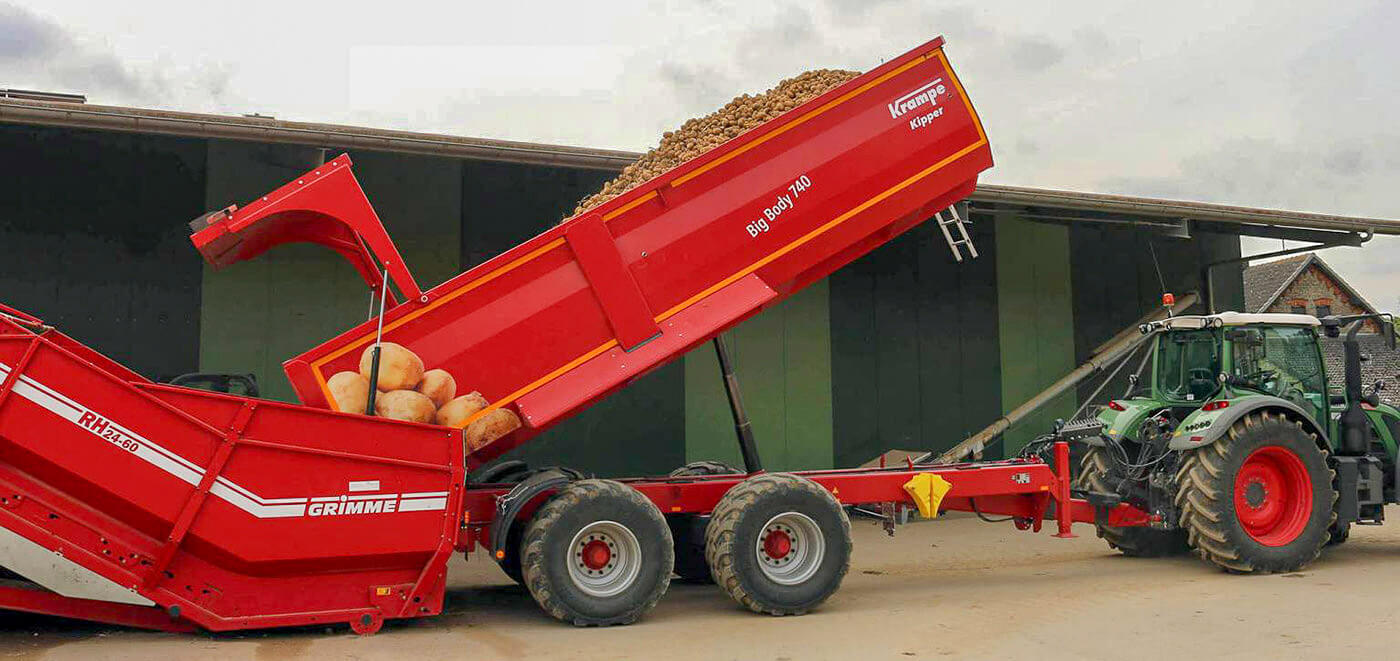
x=629, y=206
x=321, y=379
x=731, y=279
x=540, y=382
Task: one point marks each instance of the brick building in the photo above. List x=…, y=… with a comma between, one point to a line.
x=1305, y=284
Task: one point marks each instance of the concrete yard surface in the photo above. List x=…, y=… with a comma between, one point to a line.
x=951, y=589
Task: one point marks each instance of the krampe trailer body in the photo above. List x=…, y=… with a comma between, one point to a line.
x=128, y=501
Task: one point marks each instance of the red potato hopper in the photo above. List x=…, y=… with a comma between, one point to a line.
x=577, y=312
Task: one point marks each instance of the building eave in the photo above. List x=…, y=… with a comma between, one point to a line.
x=339, y=136
x=266, y=129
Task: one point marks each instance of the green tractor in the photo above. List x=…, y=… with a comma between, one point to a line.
x=1236, y=444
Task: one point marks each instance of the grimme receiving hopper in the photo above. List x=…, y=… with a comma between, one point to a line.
x=139, y=503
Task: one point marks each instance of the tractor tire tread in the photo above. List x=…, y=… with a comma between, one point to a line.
x=1205, y=502
x=1133, y=542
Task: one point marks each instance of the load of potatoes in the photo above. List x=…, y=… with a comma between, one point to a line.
x=702, y=134
x=405, y=391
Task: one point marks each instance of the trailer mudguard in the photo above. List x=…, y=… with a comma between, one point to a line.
x=511, y=504
x=1204, y=427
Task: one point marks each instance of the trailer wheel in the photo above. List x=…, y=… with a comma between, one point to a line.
x=1138, y=542
x=688, y=530
x=778, y=544
x=597, y=554
x=1260, y=499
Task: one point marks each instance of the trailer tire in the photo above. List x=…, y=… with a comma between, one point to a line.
x=597, y=554
x=1134, y=542
x=808, y=556
x=688, y=530
x=1259, y=499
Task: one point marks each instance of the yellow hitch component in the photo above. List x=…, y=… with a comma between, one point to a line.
x=927, y=490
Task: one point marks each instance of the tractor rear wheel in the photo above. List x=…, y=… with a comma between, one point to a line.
x=1260, y=499
x=598, y=553
x=1137, y=542
x=778, y=544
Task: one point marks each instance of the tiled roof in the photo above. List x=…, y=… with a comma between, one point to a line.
x=1384, y=364
x=1263, y=282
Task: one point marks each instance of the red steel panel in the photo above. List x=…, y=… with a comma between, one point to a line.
x=618, y=294
x=306, y=518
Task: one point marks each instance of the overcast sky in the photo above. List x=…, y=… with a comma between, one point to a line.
x=1285, y=105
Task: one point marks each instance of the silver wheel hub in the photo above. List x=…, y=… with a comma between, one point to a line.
x=790, y=547
x=604, y=558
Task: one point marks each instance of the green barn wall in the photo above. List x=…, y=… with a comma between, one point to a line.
x=915, y=360
x=93, y=239
x=258, y=313
x=782, y=358
x=1035, y=298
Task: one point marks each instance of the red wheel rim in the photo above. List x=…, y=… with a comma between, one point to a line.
x=1273, y=495
x=596, y=555
x=777, y=545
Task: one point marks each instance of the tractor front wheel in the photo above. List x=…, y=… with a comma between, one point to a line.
x=1095, y=474
x=1260, y=499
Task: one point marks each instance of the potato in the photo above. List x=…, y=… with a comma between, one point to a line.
x=349, y=392
x=439, y=386
x=699, y=135
x=409, y=405
x=490, y=427
x=456, y=412
x=399, y=368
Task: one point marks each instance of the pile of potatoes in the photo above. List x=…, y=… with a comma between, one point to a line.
x=702, y=134
x=405, y=391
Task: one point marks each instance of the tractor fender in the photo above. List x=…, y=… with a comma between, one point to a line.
x=509, y=506
x=1203, y=427
x=1117, y=425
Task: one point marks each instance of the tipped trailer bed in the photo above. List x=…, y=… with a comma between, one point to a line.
x=138, y=503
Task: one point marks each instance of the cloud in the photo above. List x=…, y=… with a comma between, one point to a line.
x=1034, y=54
x=32, y=42
x=1335, y=174
x=38, y=52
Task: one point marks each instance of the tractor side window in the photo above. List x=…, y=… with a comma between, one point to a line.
x=1282, y=361
x=1187, y=365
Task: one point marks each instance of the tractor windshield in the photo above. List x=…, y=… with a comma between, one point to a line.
x=1188, y=363
x=1282, y=361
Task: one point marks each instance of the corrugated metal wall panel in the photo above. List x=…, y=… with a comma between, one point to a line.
x=93, y=239
x=915, y=359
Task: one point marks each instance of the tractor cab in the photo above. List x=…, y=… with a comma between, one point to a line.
x=1197, y=359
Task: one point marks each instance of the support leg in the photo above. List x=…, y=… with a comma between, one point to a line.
x=1063, y=508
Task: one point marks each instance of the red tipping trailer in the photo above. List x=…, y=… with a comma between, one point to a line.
x=556, y=323
x=145, y=504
